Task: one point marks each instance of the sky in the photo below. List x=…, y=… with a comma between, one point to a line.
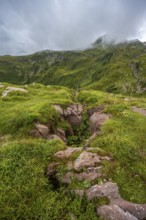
x=27, y=26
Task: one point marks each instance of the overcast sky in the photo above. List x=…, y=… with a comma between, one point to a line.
x=27, y=26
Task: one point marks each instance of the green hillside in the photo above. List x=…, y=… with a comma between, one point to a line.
x=112, y=68
x=73, y=134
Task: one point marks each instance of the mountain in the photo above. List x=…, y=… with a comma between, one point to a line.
x=73, y=134
x=118, y=68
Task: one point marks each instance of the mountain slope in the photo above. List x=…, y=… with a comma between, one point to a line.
x=111, y=68
x=26, y=191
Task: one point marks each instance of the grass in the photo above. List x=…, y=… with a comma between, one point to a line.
x=25, y=191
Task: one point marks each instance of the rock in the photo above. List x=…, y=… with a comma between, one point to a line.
x=51, y=169
x=59, y=109
x=113, y=212
x=74, y=114
x=86, y=159
x=1, y=86
x=89, y=176
x=60, y=132
x=96, y=120
x=51, y=173
x=138, y=210
x=54, y=136
x=70, y=165
x=67, y=177
x=11, y=89
x=139, y=110
x=74, y=120
x=98, y=109
x=43, y=130
x=75, y=109
x=79, y=192
x=67, y=153
x=35, y=133
x=108, y=189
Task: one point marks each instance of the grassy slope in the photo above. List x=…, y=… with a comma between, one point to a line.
x=120, y=68
x=26, y=193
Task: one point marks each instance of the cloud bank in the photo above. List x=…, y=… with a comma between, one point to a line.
x=32, y=25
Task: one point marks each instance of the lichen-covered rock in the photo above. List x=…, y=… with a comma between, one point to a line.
x=89, y=176
x=43, y=130
x=108, y=189
x=138, y=210
x=86, y=159
x=96, y=120
x=65, y=154
x=113, y=212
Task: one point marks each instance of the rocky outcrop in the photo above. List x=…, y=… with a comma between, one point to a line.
x=113, y=212
x=117, y=207
x=138, y=210
x=97, y=120
x=73, y=114
x=108, y=189
x=87, y=168
x=86, y=159
x=11, y=89
x=43, y=131
x=67, y=153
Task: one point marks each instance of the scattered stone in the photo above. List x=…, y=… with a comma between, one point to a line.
x=113, y=212
x=1, y=86
x=67, y=153
x=139, y=110
x=108, y=189
x=96, y=120
x=86, y=159
x=42, y=130
x=11, y=89
x=138, y=210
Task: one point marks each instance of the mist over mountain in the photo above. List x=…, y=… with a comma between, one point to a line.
x=30, y=26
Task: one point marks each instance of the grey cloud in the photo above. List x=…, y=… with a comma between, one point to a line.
x=32, y=25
